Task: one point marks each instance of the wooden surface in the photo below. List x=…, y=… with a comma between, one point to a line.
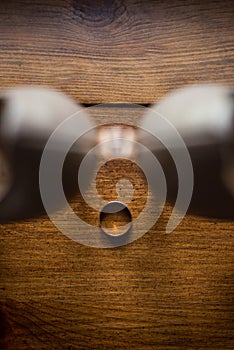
x=109, y=51
x=162, y=291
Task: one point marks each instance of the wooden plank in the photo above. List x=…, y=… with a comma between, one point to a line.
x=162, y=291
x=109, y=51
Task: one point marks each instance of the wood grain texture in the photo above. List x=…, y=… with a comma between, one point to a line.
x=109, y=51
x=162, y=291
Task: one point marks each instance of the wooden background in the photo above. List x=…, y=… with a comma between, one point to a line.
x=162, y=291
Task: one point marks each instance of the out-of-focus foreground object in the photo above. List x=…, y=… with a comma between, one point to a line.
x=204, y=116
x=29, y=115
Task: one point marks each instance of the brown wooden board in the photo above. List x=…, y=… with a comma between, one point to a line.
x=162, y=291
